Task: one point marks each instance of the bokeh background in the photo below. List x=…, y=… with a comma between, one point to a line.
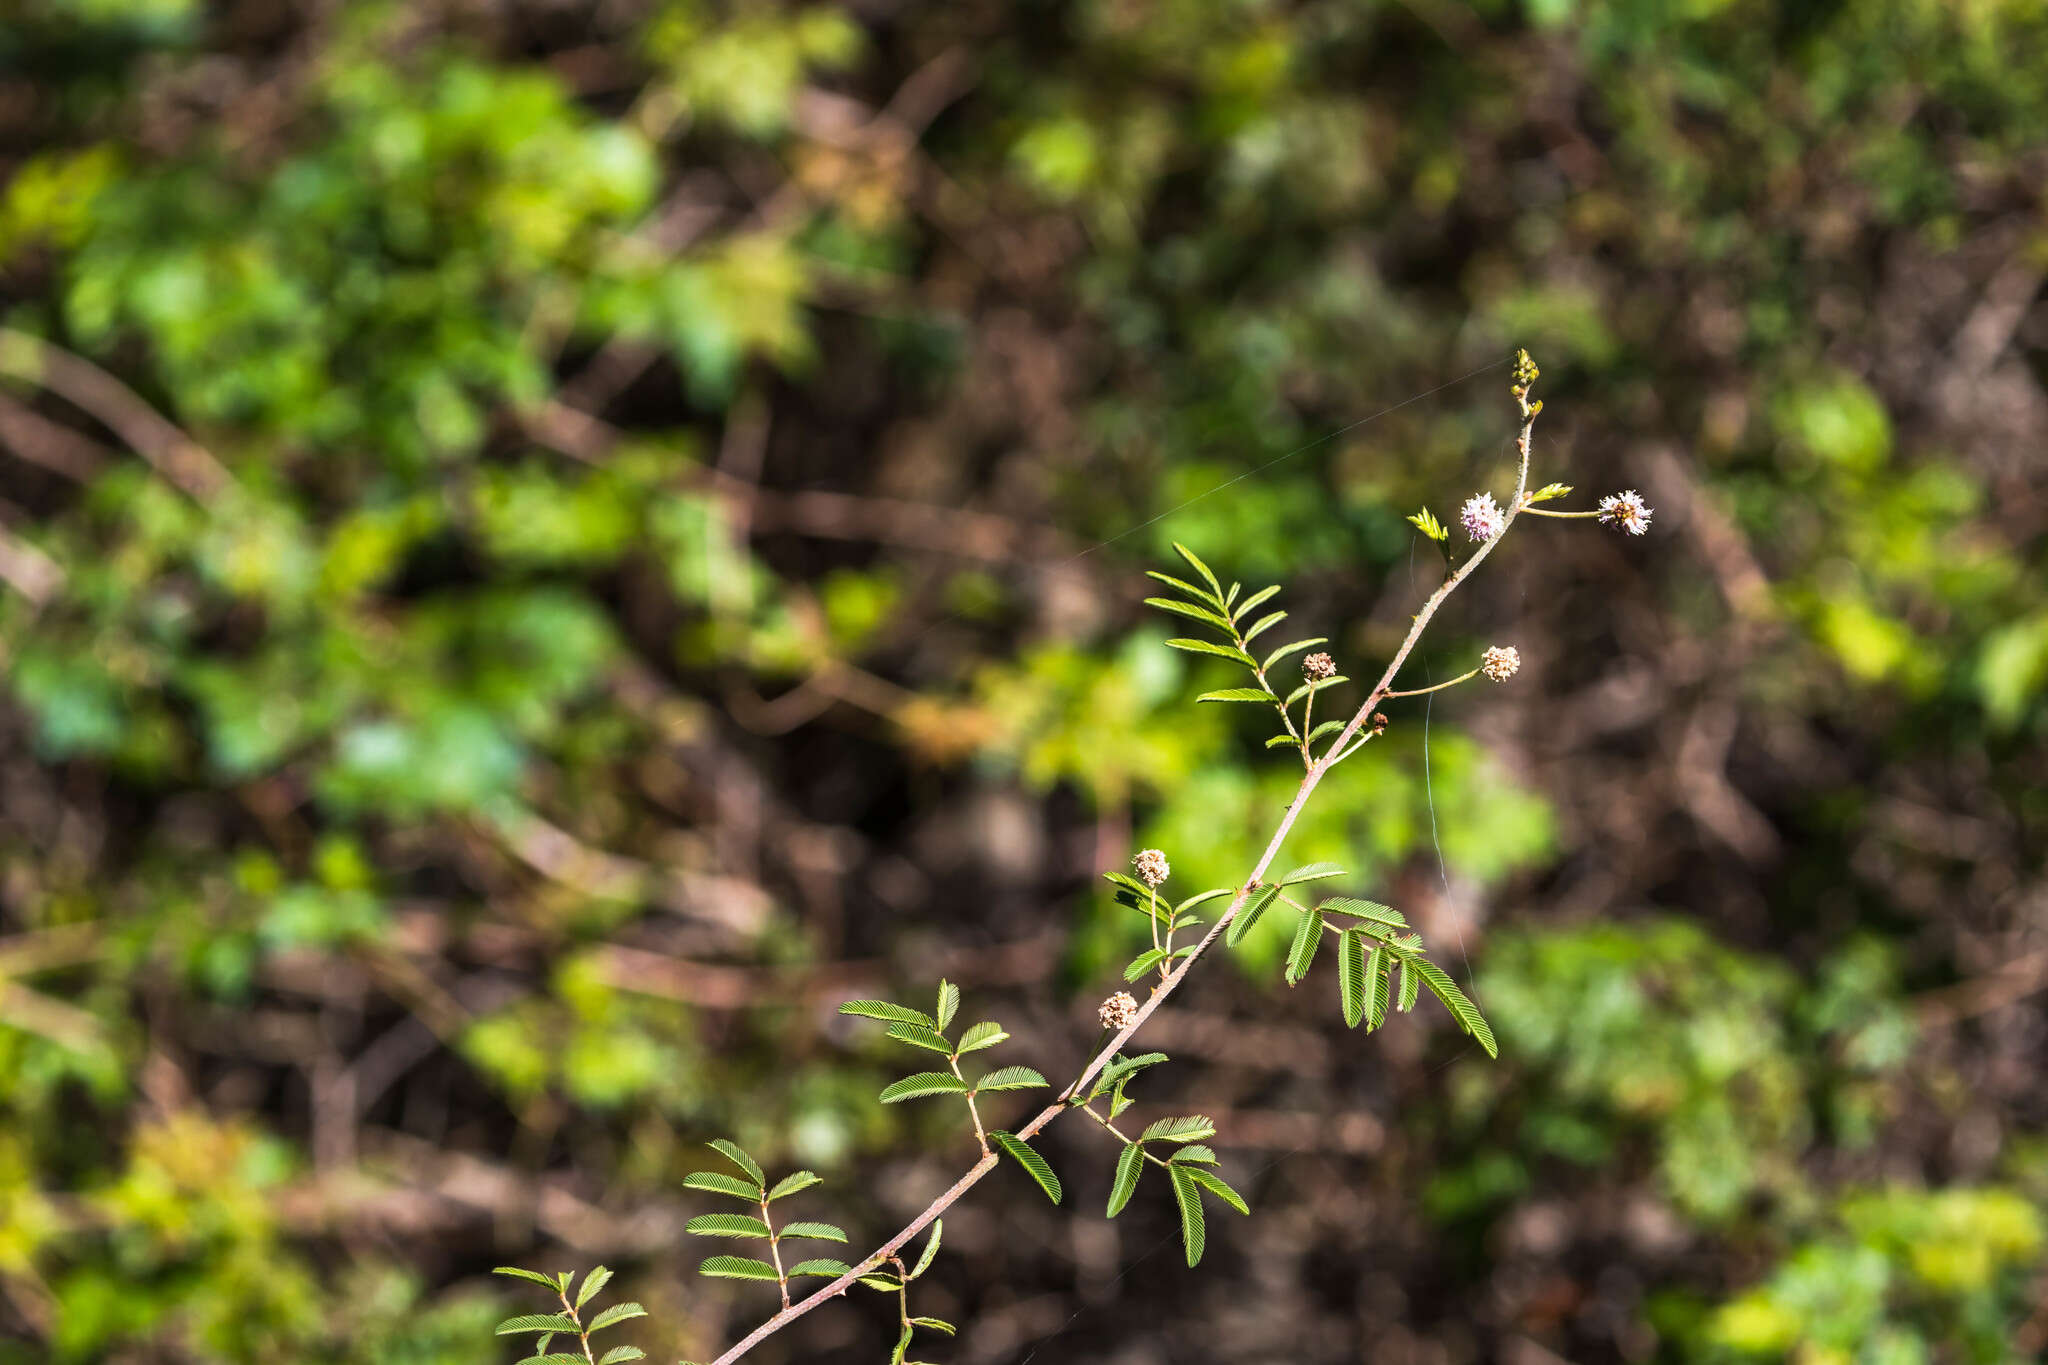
x=544, y=548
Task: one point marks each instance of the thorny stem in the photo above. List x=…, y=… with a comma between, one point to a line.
x=1336, y=752
x=1462, y=677
x=582, y=1332
x=775, y=1250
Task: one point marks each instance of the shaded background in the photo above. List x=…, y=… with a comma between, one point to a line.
x=542, y=551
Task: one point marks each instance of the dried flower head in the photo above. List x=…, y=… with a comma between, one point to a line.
x=1151, y=866
x=1379, y=721
x=1481, y=518
x=1625, y=511
x=1500, y=662
x=1118, y=1011
x=1317, y=667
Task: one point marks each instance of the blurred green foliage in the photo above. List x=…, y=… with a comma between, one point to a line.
x=468, y=679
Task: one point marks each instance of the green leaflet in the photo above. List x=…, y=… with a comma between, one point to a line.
x=1293, y=648
x=1203, y=898
x=1409, y=987
x=618, y=1355
x=736, y=1268
x=917, y=1035
x=923, y=1084
x=1462, y=1009
x=1377, y=968
x=934, y=1324
x=1352, y=982
x=1199, y=594
x=592, y=1282
x=537, y=1322
x=1310, y=688
x=726, y=1225
x=1202, y=614
x=1230, y=652
x=883, y=1010
x=617, y=1313
x=792, y=1183
x=731, y=1152
x=949, y=1003
x=1372, y=910
x=1217, y=1186
x=1244, y=608
x=823, y=1266
x=931, y=1249
x=1022, y=1153
x=1195, y=1151
x=1237, y=694
x=1308, y=936
x=1186, y=1128
x=823, y=1232
x=1263, y=624
x=1130, y=1164
x=1121, y=1067
x=1311, y=872
x=1187, y=1192
x=1425, y=521
x=549, y=1280
x=1249, y=916
x=980, y=1036
x=718, y=1182
x=1011, y=1078
x=1199, y=567
x=1144, y=962
x=902, y=1345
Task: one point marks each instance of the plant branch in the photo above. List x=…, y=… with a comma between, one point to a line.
x=1173, y=979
